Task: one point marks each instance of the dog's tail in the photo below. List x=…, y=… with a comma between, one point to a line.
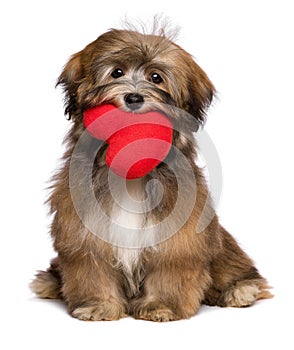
x=47, y=284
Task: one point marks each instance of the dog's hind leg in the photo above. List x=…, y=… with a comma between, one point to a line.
x=236, y=281
x=47, y=284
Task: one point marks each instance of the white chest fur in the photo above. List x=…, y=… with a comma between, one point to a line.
x=128, y=215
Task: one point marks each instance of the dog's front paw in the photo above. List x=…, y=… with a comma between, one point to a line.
x=102, y=311
x=153, y=311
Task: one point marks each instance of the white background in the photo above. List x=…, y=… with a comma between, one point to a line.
x=246, y=47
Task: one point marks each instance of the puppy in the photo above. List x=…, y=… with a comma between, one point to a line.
x=180, y=256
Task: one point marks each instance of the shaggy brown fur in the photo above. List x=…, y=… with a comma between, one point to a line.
x=159, y=282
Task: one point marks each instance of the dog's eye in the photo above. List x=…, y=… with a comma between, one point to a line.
x=156, y=78
x=117, y=73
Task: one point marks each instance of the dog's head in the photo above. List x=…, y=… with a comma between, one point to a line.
x=136, y=72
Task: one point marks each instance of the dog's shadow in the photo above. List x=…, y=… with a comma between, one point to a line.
x=57, y=303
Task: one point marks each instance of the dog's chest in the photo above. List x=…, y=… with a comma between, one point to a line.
x=127, y=217
x=128, y=258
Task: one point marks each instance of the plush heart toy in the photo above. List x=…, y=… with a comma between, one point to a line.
x=137, y=142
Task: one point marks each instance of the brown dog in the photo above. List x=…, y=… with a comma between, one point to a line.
x=169, y=269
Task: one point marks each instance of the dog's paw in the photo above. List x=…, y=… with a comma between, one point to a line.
x=240, y=296
x=153, y=311
x=102, y=311
x=159, y=315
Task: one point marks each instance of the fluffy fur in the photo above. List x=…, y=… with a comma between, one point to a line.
x=162, y=281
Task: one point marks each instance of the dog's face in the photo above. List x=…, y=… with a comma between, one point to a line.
x=136, y=72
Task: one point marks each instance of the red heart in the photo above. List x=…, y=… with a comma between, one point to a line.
x=137, y=142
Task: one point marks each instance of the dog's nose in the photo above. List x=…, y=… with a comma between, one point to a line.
x=134, y=101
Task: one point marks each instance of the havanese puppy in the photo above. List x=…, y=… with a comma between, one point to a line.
x=151, y=247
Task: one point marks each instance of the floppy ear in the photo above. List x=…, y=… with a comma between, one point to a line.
x=70, y=80
x=201, y=93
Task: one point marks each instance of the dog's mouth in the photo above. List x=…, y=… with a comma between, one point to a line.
x=136, y=145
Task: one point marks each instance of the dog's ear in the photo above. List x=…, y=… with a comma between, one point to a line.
x=70, y=79
x=200, y=93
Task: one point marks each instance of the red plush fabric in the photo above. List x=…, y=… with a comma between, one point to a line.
x=137, y=142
